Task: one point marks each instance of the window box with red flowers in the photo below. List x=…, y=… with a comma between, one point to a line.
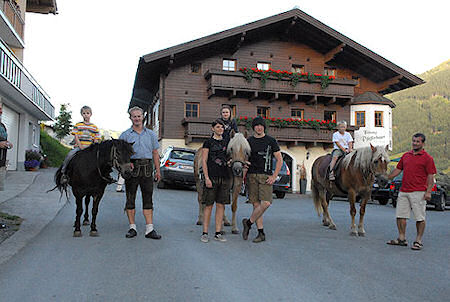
x=293, y=77
x=290, y=122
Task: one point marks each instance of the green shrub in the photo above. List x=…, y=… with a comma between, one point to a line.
x=54, y=150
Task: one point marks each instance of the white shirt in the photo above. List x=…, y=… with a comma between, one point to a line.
x=343, y=140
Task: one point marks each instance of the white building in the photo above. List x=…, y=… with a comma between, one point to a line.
x=373, y=114
x=24, y=101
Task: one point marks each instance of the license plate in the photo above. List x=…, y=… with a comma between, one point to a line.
x=183, y=167
x=375, y=185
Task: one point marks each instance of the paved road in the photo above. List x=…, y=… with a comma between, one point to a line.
x=300, y=261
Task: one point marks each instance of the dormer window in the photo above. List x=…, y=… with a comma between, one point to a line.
x=196, y=67
x=229, y=65
x=263, y=65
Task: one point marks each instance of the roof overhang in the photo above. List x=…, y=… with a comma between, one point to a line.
x=294, y=25
x=372, y=98
x=42, y=6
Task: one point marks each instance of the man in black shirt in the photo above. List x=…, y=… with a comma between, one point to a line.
x=259, y=176
x=217, y=179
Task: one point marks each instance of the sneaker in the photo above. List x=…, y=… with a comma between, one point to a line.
x=220, y=238
x=246, y=229
x=64, y=179
x=260, y=238
x=204, y=238
x=131, y=233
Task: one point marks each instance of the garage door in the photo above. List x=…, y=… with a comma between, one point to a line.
x=11, y=120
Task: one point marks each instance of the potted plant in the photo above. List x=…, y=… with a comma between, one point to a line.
x=32, y=160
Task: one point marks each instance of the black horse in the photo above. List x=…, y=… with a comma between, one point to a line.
x=88, y=173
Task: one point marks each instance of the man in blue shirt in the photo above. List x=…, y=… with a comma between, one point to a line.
x=145, y=146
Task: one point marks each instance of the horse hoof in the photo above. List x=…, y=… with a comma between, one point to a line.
x=361, y=234
x=227, y=223
x=353, y=234
x=199, y=223
x=332, y=227
x=86, y=222
x=77, y=234
x=326, y=224
x=93, y=233
x=235, y=232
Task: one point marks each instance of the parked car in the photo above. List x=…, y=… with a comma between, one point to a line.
x=439, y=196
x=381, y=193
x=282, y=184
x=177, y=167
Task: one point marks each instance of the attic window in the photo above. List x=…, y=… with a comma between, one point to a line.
x=196, y=67
x=263, y=65
x=229, y=65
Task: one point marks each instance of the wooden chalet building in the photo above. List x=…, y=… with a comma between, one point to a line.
x=183, y=87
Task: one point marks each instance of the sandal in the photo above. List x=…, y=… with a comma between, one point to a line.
x=398, y=241
x=417, y=246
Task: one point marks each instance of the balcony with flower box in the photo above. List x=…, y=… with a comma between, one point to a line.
x=278, y=87
x=288, y=131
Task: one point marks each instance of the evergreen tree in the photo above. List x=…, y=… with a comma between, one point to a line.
x=63, y=124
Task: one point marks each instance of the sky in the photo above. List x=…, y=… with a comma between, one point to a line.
x=88, y=53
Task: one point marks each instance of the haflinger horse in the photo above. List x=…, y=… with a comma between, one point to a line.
x=238, y=150
x=88, y=173
x=355, y=176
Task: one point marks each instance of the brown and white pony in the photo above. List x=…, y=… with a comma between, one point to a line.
x=355, y=176
x=239, y=151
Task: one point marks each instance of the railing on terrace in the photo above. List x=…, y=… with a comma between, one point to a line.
x=12, y=12
x=14, y=72
x=201, y=129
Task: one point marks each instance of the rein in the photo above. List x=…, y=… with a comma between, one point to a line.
x=112, y=161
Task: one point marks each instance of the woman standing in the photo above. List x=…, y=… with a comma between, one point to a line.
x=228, y=123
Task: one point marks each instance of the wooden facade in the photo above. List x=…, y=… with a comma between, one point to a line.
x=183, y=87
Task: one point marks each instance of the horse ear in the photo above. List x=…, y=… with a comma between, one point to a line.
x=373, y=148
x=232, y=133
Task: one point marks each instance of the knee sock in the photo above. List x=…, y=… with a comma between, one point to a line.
x=133, y=226
x=148, y=228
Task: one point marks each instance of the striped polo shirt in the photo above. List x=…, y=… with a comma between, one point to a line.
x=87, y=133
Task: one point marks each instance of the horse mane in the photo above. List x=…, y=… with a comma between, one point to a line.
x=237, y=141
x=363, y=157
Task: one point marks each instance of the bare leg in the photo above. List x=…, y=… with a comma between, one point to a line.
x=220, y=208
x=148, y=214
x=258, y=211
x=206, y=218
x=131, y=214
x=401, y=226
x=420, y=226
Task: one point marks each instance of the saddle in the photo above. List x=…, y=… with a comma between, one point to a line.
x=324, y=168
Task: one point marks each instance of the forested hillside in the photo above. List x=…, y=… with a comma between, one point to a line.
x=425, y=109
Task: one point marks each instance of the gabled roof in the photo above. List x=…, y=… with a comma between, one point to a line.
x=372, y=98
x=293, y=25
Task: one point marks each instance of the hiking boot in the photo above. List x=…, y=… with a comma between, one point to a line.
x=204, y=238
x=220, y=238
x=131, y=233
x=64, y=179
x=246, y=229
x=260, y=238
x=331, y=176
x=153, y=235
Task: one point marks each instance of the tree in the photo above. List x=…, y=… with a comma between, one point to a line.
x=63, y=124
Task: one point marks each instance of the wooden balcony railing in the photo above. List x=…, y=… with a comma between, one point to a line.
x=12, y=12
x=235, y=83
x=201, y=129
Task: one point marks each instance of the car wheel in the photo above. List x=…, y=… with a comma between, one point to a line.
x=441, y=205
x=161, y=184
x=383, y=201
x=280, y=194
x=394, y=202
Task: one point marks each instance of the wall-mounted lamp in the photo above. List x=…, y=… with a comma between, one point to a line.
x=307, y=155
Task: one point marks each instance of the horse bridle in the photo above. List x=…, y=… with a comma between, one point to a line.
x=113, y=161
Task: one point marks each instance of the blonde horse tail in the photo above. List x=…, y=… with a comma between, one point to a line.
x=317, y=198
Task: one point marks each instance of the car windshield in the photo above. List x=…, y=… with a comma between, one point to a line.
x=183, y=155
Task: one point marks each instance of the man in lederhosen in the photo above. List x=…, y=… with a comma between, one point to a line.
x=145, y=146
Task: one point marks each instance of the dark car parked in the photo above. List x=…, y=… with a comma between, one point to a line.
x=439, y=197
x=381, y=193
x=177, y=167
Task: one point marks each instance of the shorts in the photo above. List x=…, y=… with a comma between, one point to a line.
x=219, y=193
x=258, y=189
x=414, y=201
x=141, y=177
x=337, y=153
